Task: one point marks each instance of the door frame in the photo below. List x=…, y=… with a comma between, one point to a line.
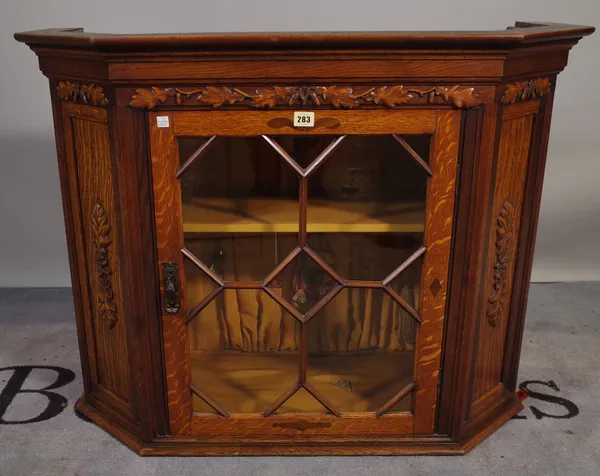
x=444, y=126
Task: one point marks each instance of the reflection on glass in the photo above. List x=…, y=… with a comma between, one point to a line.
x=304, y=149
x=365, y=256
x=200, y=406
x=303, y=283
x=240, y=206
x=302, y=402
x=361, y=349
x=241, y=256
x=244, y=350
x=366, y=206
x=197, y=284
x=404, y=405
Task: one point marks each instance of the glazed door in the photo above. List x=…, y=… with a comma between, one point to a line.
x=303, y=269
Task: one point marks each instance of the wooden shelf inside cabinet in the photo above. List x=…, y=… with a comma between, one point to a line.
x=281, y=216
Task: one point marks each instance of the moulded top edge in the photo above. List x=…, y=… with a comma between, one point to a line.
x=522, y=34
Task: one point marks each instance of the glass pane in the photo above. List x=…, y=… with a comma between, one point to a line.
x=197, y=284
x=304, y=149
x=407, y=286
x=361, y=349
x=200, y=406
x=366, y=216
x=405, y=405
x=366, y=206
x=302, y=402
x=303, y=283
x=241, y=256
x=365, y=256
x=244, y=350
x=239, y=204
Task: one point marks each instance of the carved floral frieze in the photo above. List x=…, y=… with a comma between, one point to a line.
x=339, y=97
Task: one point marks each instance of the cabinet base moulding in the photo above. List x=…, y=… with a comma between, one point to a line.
x=190, y=446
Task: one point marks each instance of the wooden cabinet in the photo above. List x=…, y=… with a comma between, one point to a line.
x=301, y=243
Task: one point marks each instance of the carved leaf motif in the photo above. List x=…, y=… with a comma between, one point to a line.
x=341, y=97
x=179, y=93
x=107, y=309
x=316, y=93
x=542, y=86
x=217, y=96
x=504, y=237
x=512, y=93
x=462, y=98
x=101, y=227
x=94, y=94
x=148, y=98
x=67, y=90
x=269, y=97
x=390, y=96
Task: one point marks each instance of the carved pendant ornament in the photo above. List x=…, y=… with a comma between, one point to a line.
x=504, y=240
x=89, y=94
x=521, y=91
x=339, y=97
x=107, y=309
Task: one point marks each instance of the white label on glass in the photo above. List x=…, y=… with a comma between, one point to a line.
x=304, y=119
x=162, y=121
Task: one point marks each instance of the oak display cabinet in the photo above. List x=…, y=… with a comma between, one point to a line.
x=304, y=243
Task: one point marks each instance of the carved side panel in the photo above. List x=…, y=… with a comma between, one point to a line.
x=510, y=176
x=92, y=190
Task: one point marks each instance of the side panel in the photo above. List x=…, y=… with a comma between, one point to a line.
x=516, y=131
x=97, y=249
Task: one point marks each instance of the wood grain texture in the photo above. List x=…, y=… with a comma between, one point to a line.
x=380, y=69
x=487, y=400
x=520, y=109
x=86, y=352
x=142, y=316
x=438, y=235
x=352, y=122
x=281, y=426
x=513, y=154
x=456, y=333
x=90, y=177
x=193, y=446
x=523, y=33
x=169, y=240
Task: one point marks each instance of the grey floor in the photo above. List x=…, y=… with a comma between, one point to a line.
x=561, y=346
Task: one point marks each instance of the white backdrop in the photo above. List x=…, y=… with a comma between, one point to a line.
x=32, y=241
